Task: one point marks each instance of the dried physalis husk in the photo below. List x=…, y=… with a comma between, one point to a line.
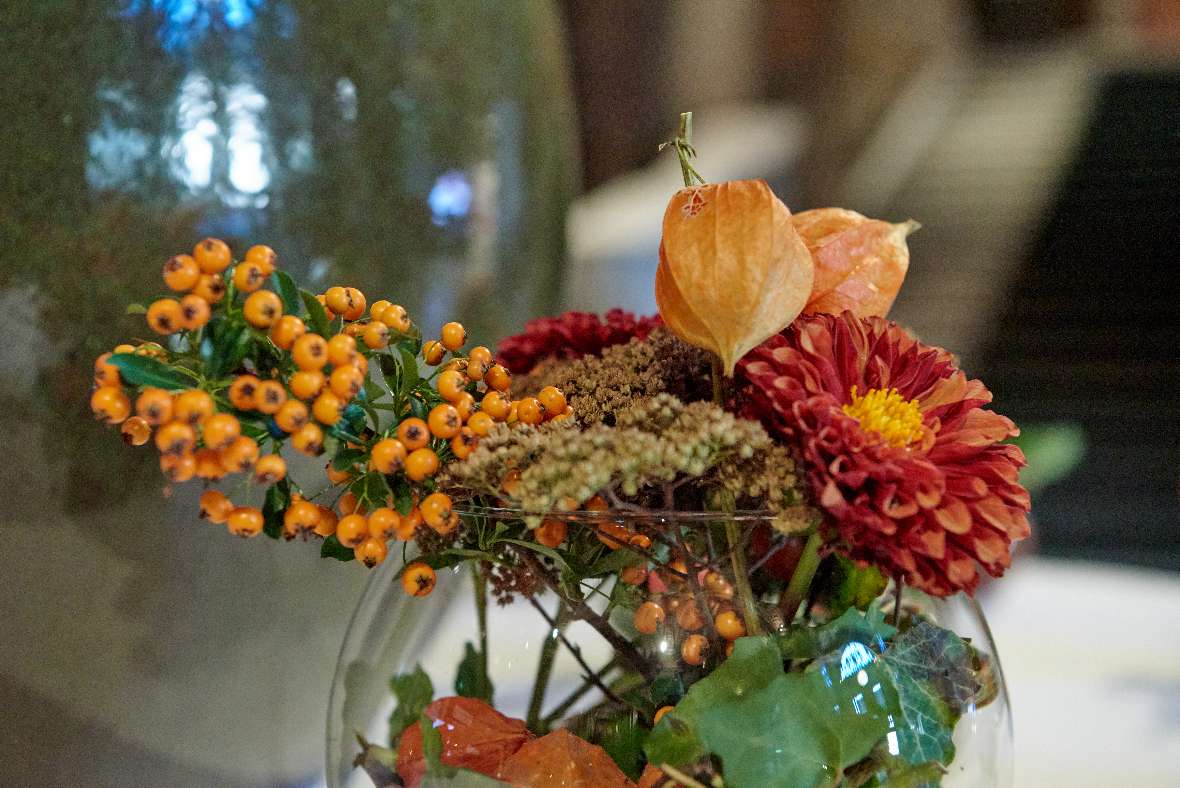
x=860, y=263
x=733, y=270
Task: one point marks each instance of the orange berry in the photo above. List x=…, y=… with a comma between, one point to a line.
x=347, y=503
x=551, y=533
x=376, y=335
x=354, y=330
x=511, y=483
x=270, y=469
x=377, y=308
x=264, y=256
x=243, y=392
x=215, y=506
x=383, y=523
x=212, y=255
x=356, y=301
x=336, y=299
x=413, y=433
x=181, y=273
x=310, y=352
x=530, y=411
x=552, y=399
x=495, y=405
x=220, y=430
x=194, y=312
x=209, y=464
x=306, y=384
x=326, y=525
x=327, y=408
x=388, y=456
x=154, y=406
x=165, y=316
x=480, y=423
x=453, y=336
x=513, y=413
x=464, y=443
x=688, y=616
x=371, y=552
x=124, y=348
x=176, y=437
x=324, y=303
x=479, y=361
x=341, y=350
x=269, y=396
x=192, y=406
x=362, y=364
x=444, y=421
x=613, y=535
x=693, y=649
x=210, y=288
x=300, y=519
x=248, y=276
x=729, y=625
x=465, y=405
x=396, y=318
x=632, y=575
x=245, y=521
x=291, y=415
x=335, y=476
x=409, y=524
x=286, y=330
x=352, y=530
x=421, y=464
x=497, y=378
x=596, y=504
x=649, y=617
x=105, y=373
x=433, y=352
x=436, y=510
x=178, y=467
x=136, y=431
x=418, y=579
x=262, y=309
x=452, y=385
x=308, y=439
x=346, y=382
x=641, y=541
x=659, y=715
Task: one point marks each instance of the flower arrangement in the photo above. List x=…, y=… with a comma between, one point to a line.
x=733, y=494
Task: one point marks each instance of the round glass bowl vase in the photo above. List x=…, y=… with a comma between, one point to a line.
x=392, y=633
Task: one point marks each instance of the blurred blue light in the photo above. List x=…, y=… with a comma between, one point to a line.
x=450, y=197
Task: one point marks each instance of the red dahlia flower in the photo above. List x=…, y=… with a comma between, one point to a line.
x=571, y=335
x=899, y=453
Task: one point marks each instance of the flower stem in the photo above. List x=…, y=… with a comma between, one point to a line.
x=684, y=150
x=801, y=578
x=481, y=613
x=900, y=584
x=545, y=666
x=588, y=683
x=741, y=578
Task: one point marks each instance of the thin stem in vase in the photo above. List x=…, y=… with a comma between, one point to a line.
x=576, y=652
x=545, y=664
x=801, y=578
x=588, y=683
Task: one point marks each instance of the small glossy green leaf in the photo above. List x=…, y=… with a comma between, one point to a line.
x=403, y=497
x=278, y=496
x=316, y=315
x=471, y=680
x=413, y=692
x=536, y=547
x=808, y=642
x=331, y=548
x=614, y=561
x=135, y=309
x=231, y=342
x=143, y=371
x=346, y=458
x=285, y=286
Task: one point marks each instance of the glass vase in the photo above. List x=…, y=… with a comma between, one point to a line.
x=392, y=633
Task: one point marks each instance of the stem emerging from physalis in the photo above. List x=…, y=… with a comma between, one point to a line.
x=685, y=150
x=801, y=578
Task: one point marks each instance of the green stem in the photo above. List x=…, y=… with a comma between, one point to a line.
x=685, y=151
x=545, y=669
x=801, y=578
x=481, y=613
x=587, y=684
x=741, y=578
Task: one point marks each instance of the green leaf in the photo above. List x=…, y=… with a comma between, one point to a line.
x=231, y=342
x=143, y=371
x=316, y=315
x=807, y=642
x=855, y=692
x=135, y=309
x=331, y=548
x=931, y=668
x=459, y=778
x=403, y=497
x=623, y=739
x=613, y=562
x=881, y=769
x=346, y=458
x=278, y=496
x=536, y=547
x=285, y=286
x=471, y=680
x=410, y=375
x=848, y=585
x=432, y=746
x=413, y=692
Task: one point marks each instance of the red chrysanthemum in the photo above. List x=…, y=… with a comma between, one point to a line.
x=900, y=455
x=571, y=335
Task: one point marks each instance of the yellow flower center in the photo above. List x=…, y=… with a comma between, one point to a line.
x=897, y=421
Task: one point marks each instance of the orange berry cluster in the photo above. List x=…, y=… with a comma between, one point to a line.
x=686, y=609
x=307, y=384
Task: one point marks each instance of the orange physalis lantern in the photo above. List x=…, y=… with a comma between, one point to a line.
x=860, y=263
x=733, y=270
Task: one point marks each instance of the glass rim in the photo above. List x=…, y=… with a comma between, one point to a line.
x=614, y=515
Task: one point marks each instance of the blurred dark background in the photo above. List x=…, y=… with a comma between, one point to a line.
x=496, y=161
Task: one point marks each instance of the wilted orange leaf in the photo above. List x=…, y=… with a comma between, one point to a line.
x=733, y=270
x=860, y=263
x=562, y=760
x=474, y=736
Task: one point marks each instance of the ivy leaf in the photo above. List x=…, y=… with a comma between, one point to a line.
x=285, y=286
x=413, y=692
x=849, y=585
x=931, y=668
x=881, y=768
x=316, y=315
x=278, y=496
x=471, y=680
x=144, y=371
x=331, y=548
x=807, y=642
x=855, y=692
